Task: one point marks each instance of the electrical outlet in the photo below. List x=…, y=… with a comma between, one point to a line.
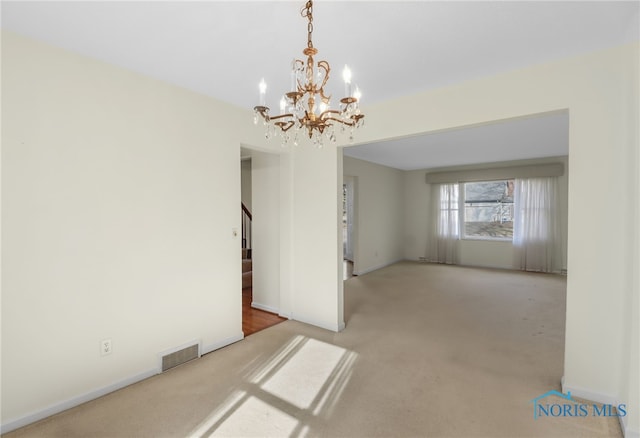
x=106, y=347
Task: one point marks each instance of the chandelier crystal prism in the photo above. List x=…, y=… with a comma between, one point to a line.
x=306, y=107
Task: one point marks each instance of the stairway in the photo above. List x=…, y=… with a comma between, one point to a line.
x=247, y=268
x=247, y=264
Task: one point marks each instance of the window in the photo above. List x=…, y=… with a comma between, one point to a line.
x=488, y=210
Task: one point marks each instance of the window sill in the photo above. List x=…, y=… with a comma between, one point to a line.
x=488, y=239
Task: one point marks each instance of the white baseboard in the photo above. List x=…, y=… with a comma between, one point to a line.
x=266, y=308
x=73, y=402
x=92, y=395
x=590, y=395
x=322, y=325
x=222, y=343
x=375, y=268
x=626, y=429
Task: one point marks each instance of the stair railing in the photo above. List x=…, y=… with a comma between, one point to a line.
x=246, y=227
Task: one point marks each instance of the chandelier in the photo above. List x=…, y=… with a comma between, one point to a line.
x=306, y=107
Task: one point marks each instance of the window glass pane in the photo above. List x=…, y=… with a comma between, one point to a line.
x=488, y=209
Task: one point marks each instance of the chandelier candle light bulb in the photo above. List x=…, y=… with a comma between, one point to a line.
x=263, y=91
x=308, y=105
x=346, y=75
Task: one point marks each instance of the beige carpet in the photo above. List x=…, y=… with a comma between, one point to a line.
x=429, y=350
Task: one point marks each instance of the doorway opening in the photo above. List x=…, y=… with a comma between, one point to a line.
x=260, y=240
x=347, y=226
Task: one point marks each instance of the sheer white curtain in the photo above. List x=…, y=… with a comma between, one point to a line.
x=446, y=219
x=536, y=240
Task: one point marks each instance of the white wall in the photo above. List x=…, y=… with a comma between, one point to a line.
x=379, y=214
x=265, y=176
x=349, y=183
x=597, y=89
x=630, y=383
x=493, y=254
x=485, y=253
x=287, y=232
x=119, y=197
x=315, y=244
x=417, y=199
x=245, y=182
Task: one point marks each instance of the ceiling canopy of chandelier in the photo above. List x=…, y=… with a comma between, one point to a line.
x=306, y=107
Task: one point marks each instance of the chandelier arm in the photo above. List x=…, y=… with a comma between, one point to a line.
x=325, y=99
x=329, y=111
x=324, y=65
x=263, y=111
x=352, y=123
x=285, y=126
x=281, y=116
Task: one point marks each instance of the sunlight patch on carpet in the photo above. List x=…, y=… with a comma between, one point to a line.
x=300, y=379
x=297, y=386
x=256, y=418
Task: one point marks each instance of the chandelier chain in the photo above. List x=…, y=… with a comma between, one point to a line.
x=307, y=12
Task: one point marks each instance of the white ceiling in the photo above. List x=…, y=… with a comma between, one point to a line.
x=508, y=140
x=394, y=48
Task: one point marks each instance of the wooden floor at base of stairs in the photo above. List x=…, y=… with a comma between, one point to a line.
x=254, y=320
